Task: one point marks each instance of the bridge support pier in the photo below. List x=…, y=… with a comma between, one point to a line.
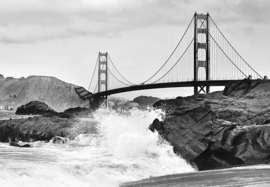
x=103, y=76
x=98, y=101
x=201, y=89
x=201, y=27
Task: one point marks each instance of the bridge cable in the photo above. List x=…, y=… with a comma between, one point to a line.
x=176, y=61
x=171, y=53
x=117, y=78
x=227, y=55
x=234, y=48
x=93, y=74
x=119, y=72
x=96, y=88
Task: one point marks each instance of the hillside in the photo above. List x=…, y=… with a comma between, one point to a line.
x=145, y=101
x=54, y=92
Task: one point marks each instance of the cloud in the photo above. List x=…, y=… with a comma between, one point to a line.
x=38, y=20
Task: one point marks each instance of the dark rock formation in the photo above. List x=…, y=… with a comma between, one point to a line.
x=59, y=140
x=35, y=128
x=156, y=125
x=13, y=142
x=34, y=108
x=216, y=131
x=18, y=145
x=41, y=108
x=78, y=112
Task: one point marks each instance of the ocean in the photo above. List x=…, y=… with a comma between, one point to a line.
x=119, y=149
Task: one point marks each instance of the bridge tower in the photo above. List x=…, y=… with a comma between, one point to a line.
x=103, y=75
x=201, y=27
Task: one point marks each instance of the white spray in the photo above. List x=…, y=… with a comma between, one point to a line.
x=122, y=149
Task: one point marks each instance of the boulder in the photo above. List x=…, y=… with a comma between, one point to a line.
x=156, y=125
x=18, y=145
x=34, y=108
x=59, y=140
x=35, y=128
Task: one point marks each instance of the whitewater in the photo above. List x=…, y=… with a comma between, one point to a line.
x=114, y=149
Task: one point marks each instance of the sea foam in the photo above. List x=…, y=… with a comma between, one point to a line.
x=119, y=149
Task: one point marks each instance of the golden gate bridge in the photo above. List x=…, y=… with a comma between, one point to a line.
x=202, y=58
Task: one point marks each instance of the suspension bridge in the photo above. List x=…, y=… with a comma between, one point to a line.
x=202, y=58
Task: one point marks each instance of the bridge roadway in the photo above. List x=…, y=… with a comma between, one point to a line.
x=164, y=85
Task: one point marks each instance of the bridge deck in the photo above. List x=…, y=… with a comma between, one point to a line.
x=164, y=85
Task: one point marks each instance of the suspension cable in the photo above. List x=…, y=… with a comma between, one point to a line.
x=119, y=72
x=96, y=87
x=234, y=48
x=227, y=55
x=176, y=61
x=93, y=74
x=171, y=53
x=117, y=78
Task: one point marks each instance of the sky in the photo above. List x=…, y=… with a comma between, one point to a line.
x=62, y=38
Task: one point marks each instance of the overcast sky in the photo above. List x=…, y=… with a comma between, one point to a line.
x=62, y=38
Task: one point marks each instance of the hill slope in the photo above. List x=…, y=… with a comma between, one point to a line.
x=54, y=92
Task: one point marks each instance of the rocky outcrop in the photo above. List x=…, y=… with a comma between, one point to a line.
x=59, y=140
x=36, y=128
x=41, y=108
x=78, y=112
x=34, y=108
x=19, y=145
x=220, y=129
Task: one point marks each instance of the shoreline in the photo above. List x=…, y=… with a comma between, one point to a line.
x=258, y=175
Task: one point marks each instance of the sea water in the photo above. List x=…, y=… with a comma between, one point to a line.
x=118, y=148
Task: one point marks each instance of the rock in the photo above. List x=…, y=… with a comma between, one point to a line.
x=34, y=108
x=156, y=125
x=59, y=140
x=18, y=145
x=170, y=104
x=200, y=138
x=13, y=142
x=266, y=121
x=220, y=129
x=36, y=128
x=78, y=112
x=240, y=88
x=41, y=108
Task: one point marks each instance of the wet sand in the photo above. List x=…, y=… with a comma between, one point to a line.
x=228, y=177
